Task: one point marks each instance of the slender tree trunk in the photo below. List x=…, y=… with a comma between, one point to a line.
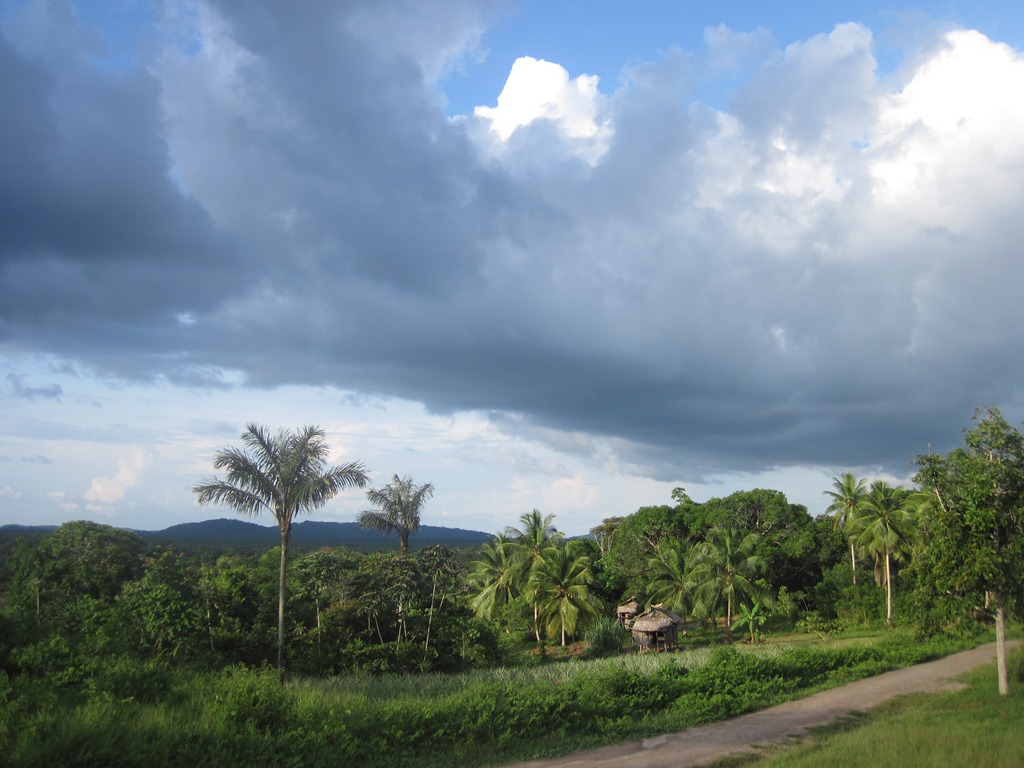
x=1004, y=678
x=318, y=648
x=853, y=560
x=280, y=599
x=728, y=617
x=888, y=591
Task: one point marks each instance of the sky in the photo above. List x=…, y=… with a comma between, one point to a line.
x=559, y=256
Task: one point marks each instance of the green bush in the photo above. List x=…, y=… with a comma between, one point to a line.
x=125, y=678
x=253, y=701
x=605, y=638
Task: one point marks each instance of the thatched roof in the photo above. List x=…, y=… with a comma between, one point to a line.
x=631, y=607
x=656, y=619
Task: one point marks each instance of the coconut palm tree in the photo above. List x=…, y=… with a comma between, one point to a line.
x=889, y=529
x=671, y=583
x=493, y=575
x=724, y=569
x=847, y=497
x=284, y=474
x=400, y=503
x=561, y=582
x=531, y=544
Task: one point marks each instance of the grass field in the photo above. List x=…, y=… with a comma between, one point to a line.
x=146, y=714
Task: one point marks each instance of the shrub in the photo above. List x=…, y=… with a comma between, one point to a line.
x=128, y=679
x=253, y=701
x=604, y=638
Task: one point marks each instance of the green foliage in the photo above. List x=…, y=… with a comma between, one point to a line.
x=246, y=716
x=752, y=618
x=604, y=638
x=635, y=542
x=162, y=611
x=253, y=701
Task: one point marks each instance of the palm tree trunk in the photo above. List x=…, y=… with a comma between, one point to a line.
x=1004, y=678
x=280, y=599
x=853, y=560
x=888, y=591
x=728, y=617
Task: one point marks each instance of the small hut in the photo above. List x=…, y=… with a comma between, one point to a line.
x=656, y=629
x=627, y=612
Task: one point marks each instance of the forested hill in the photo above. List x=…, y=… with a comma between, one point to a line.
x=229, y=534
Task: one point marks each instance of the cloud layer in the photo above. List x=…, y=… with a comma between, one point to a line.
x=820, y=268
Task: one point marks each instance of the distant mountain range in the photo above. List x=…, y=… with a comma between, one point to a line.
x=231, y=533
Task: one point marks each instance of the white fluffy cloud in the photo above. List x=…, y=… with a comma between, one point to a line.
x=107, y=490
x=541, y=90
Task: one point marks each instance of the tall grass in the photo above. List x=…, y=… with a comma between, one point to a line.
x=434, y=685
x=244, y=716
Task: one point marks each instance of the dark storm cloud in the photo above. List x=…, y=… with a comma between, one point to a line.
x=717, y=290
x=95, y=240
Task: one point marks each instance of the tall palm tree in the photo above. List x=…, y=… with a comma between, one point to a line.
x=671, y=583
x=847, y=497
x=725, y=568
x=562, y=583
x=284, y=474
x=493, y=575
x=531, y=544
x=400, y=503
x=889, y=528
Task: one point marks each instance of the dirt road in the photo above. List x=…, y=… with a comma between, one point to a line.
x=707, y=743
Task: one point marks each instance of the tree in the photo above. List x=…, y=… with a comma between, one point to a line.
x=785, y=532
x=636, y=541
x=284, y=474
x=724, y=569
x=319, y=573
x=977, y=518
x=671, y=583
x=493, y=574
x=446, y=580
x=847, y=498
x=888, y=529
x=163, y=611
x=561, y=582
x=531, y=545
x=400, y=503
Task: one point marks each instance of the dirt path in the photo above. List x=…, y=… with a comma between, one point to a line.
x=707, y=743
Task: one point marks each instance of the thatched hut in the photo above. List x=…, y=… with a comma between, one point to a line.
x=656, y=629
x=627, y=612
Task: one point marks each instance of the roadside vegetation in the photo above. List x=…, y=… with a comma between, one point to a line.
x=115, y=651
x=974, y=726
x=154, y=715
